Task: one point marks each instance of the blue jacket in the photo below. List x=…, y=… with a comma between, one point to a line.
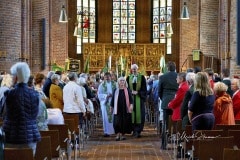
x=22, y=105
x=46, y=86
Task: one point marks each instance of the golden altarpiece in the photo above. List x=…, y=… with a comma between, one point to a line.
x=146, y=56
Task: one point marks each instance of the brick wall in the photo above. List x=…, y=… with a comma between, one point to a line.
x=189, y=32
x=40, y=11
x=26, y=36
x=21, y=31
x=10, y=33
x=235, y=69
x=58, y=33
x=209, y=27
x=220, y=17
x=208, y=30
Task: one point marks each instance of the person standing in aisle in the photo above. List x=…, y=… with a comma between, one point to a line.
x=105, y=91
x=167, y=87
x=137, y=85
x=122, y=105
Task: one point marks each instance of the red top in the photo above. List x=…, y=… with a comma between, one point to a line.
x=211, y=83
x=236, y=104
x=175, y=104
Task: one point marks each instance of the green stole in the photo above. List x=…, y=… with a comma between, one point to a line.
x=107, y=103
x=137, y=104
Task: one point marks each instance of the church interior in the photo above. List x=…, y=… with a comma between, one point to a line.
x=88, y=36
x=96, y=30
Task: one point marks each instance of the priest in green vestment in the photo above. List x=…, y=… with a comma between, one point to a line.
x=137, y=85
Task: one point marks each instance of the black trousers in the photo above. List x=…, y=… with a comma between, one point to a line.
x=165, y=125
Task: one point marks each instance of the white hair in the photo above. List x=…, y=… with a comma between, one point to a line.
x=190, y=77
x=84, y=75
x=235, y=80
x=21, y=70
x=122, y=78
x=55, y=77
x=50, y=73
x=134, y=66
x=82, y=80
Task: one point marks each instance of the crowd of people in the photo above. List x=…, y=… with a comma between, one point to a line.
x=197, y=97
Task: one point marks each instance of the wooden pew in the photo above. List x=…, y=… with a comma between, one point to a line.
x=71, y=125
x=21, y=153
x=188, y=133
x=212, y=147
x=76, y=120
x=225, y=128
x=209, y=133
x=63, y=138
x=236, y=135
x=63, y=133
x=237, y=121
x=55, y=141
x=43, y=149
x=231, y=154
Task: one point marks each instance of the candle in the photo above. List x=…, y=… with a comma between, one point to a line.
x=110, y=62
x=121, y=61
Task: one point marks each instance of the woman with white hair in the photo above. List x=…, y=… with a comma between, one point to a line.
x=22, y=105
x=122, y=105
x=190, y=77
x=56, y=92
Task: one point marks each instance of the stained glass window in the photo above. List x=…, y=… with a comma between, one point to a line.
x=162, y=27
x=85, y=27
x=124, y=29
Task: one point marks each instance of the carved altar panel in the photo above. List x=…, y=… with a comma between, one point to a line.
x=147, y=56
x=140, y=50
x=96, y=61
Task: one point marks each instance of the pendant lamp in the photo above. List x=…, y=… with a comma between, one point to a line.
x=184, y=13
x=63, y=15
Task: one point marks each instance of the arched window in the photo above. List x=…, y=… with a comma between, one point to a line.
x=124, y=29
x=162, y=27
x=85, y=29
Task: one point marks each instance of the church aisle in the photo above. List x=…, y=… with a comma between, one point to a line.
x=106, y=148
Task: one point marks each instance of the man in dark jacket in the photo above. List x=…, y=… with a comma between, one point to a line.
x=167, y=88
